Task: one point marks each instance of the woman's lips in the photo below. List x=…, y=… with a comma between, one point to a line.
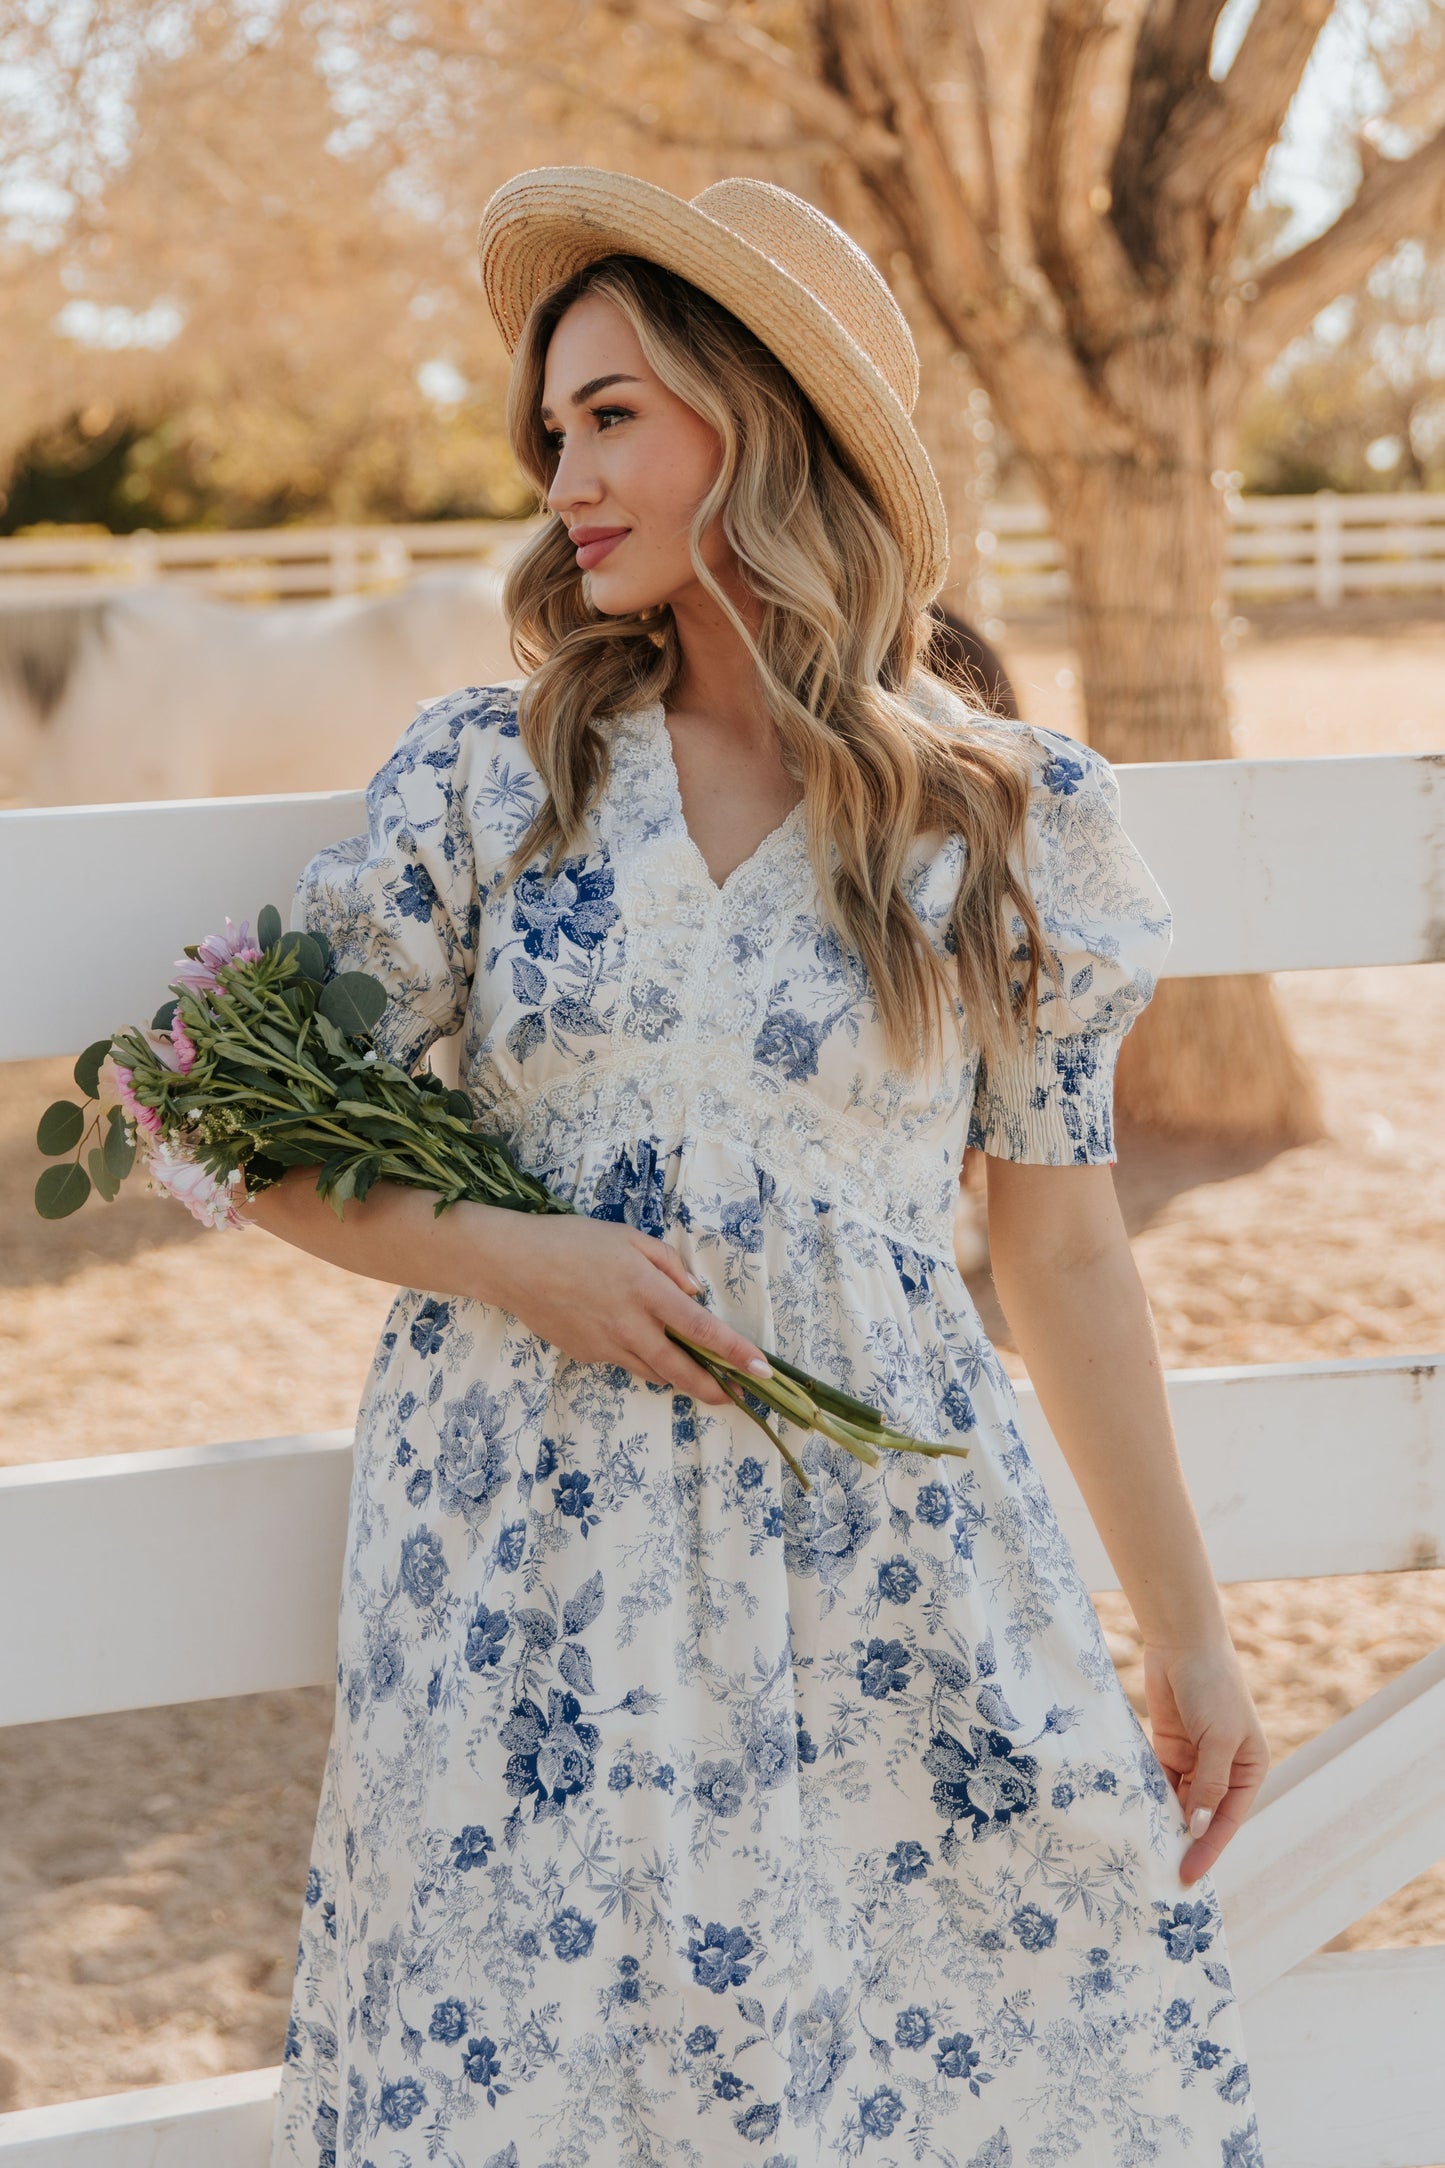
x=592, y=553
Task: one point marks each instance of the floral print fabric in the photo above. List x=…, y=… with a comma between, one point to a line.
x=675, y=1816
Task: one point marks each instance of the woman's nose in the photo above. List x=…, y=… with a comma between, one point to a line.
x=573, y=483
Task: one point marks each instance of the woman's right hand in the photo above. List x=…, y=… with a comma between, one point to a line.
x=605, y=1293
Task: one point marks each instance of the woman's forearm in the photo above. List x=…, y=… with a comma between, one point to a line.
x=395, y=1234
x=1086, y=1334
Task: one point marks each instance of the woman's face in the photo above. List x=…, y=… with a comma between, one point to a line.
x=634, y=462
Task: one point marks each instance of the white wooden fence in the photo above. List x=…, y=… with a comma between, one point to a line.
x=141, y=1579
x=1323, y=546
x=261, y=564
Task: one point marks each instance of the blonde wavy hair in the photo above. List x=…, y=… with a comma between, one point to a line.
x=839, y=654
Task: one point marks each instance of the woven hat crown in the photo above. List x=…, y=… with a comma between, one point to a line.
x=822, y=257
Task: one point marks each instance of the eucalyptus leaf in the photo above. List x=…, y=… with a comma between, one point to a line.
x=353, y=1001
x=309, y=959
x=118, y=1152
x=165, y=1016
x=87, y=1067
x=107, y=1183
x=61, y=1191
x=60, y=1128
x=268, y=925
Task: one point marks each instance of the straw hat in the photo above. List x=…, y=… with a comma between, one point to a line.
x=771, y=259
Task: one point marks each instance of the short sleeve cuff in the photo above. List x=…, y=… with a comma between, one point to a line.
x=1056, y=1108
x=404, y=1035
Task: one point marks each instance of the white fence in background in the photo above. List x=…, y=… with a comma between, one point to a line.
x=1322, y=547
x=261, y=564
x=142, y=1579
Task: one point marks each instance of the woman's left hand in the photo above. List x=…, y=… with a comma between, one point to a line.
x=1209, y=1741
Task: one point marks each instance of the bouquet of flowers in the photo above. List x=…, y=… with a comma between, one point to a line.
x=264, y=1060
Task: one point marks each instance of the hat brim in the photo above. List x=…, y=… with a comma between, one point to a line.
x=548, y=223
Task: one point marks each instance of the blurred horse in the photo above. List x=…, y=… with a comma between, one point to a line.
x=158, y=692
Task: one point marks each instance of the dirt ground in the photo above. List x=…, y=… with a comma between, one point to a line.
x=151, y=1863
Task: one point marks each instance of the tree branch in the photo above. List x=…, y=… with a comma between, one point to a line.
x=771, y=68
x=884, y=87
x=980, y=114
x=1171, y=58
x=1032, y=374
x=572, y=80
x=1397, y=198
x=1066, y=196
x=1215, y=146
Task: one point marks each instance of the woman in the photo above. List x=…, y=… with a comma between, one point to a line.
x=676, y=1814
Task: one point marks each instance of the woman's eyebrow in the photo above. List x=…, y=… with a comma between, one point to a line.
x=596, y=383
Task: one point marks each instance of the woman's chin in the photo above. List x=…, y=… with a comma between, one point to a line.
x=617, y=598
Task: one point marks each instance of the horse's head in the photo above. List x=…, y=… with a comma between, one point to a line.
x=41, y=645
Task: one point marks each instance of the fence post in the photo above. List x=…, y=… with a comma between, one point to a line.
x=1329, y=564
x=343, y=562
x=393, y=558
x=143, y=559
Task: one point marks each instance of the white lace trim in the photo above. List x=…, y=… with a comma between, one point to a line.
x=697, y=953
x=693, y=1094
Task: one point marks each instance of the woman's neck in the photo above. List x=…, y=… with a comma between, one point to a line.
x=719, y=679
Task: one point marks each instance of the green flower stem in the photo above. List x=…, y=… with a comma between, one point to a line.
x=322, y=1127
x=734, y=1394
x=852, y=1440
x=830, y=1396
x=270, y=1055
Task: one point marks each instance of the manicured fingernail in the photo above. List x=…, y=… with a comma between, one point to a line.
x=694, y=1283
x=759, y=1368
x=1200, y=1820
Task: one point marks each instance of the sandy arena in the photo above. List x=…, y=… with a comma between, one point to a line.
x=151, y=1864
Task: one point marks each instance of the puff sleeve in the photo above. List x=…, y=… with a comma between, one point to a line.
x=1051, y=1101
x=401, y=901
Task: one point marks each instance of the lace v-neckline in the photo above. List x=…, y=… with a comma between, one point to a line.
x=654, y=721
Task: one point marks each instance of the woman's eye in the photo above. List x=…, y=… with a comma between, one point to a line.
x=553, y=438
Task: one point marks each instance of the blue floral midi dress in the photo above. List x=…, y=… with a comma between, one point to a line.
x=676, y=1816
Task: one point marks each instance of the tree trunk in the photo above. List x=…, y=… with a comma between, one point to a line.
x=1145, y=551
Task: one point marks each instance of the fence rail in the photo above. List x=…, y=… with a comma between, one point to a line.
x=198, y=1572
x=262, y=564
x=1269, y=865
x=1323, y=546
x=149, y=1578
